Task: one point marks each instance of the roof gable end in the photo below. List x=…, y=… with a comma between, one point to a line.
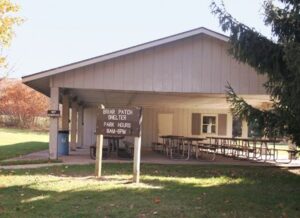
x=126, y=51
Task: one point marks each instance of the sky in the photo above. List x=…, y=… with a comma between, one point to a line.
x=59, y=32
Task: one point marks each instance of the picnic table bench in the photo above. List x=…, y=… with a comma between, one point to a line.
x=292, y=154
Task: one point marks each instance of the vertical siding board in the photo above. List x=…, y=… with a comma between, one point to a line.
x=88, y=76
x=225, y=65
x=217, y=63
x=98, y=82
x=244, y=78
x=58, y=80
x=206, y=81
x=139, y=72
x=253, y=82
x=148, y=70
x=261, y=80
x=66, y=80
x=157, y=81
x=177, y=68
x=197, y=64
x=119, y=73
x=169, y=57
x=187, y=65
x=108, y=75
x=78, y=78
x=126, y=71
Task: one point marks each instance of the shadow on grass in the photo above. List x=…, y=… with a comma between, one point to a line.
x=166, y=191
x=15, y=150
x=174, y=199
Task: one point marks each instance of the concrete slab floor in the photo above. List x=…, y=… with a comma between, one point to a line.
x=82, y=156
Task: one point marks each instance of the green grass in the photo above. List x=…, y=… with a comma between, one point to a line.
x=14, y=143
x=165, y=191
x=24, y=162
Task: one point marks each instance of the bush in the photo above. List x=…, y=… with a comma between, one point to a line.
x=20, y=106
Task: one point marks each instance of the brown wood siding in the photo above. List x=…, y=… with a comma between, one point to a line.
x=196, y=123
x=222, y=124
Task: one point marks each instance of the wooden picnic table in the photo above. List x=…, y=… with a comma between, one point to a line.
x=176, y=143
x=190, y=144
x=170, y=143
x=113, y=145
x=257, y=146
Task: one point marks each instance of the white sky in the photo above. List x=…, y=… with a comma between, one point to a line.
x=58, y=32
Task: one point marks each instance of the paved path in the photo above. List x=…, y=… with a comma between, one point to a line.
x=81, y=157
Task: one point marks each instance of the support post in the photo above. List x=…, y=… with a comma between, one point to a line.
x=53, y=129
x=80, y=127
x=74, y=126
x=65, y=112
x=99, y=148
x=137, y=159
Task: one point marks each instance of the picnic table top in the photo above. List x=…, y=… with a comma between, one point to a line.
x=189, y=138
x=245, y=139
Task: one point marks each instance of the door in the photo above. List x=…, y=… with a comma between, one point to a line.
x=165, y=125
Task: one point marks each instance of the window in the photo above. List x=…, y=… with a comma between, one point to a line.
x=209, y=124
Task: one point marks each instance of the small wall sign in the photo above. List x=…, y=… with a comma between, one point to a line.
x=53, y=113
x=119, y=121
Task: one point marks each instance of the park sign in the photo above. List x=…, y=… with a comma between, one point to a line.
x=53, y=113
x=119, y=121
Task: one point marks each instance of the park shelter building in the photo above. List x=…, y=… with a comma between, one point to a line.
x=179, y=81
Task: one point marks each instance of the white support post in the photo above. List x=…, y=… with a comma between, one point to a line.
x=99, y=147
x=244, y=129
x=53, y=129
x=80, y=127
x=65, y=112
x=137, y=159
x=74, y=126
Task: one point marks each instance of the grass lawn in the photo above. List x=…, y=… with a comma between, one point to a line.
x=165, y=191
x=15, y=142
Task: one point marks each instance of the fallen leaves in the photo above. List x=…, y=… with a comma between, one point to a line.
x=156, y=200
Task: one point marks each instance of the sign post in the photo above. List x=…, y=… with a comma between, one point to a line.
x=137, y=159
x=119, y=122
x=99, y=150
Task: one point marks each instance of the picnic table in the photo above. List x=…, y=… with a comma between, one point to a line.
x=243, y=147
x=112, y=146
x=190, y=145
x=181, y=145
x=171, y=144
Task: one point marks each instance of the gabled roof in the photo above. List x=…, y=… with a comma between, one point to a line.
x=126, y=51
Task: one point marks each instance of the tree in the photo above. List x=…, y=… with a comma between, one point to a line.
x=8, y=20
x=22, y=104
x=278, y=59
